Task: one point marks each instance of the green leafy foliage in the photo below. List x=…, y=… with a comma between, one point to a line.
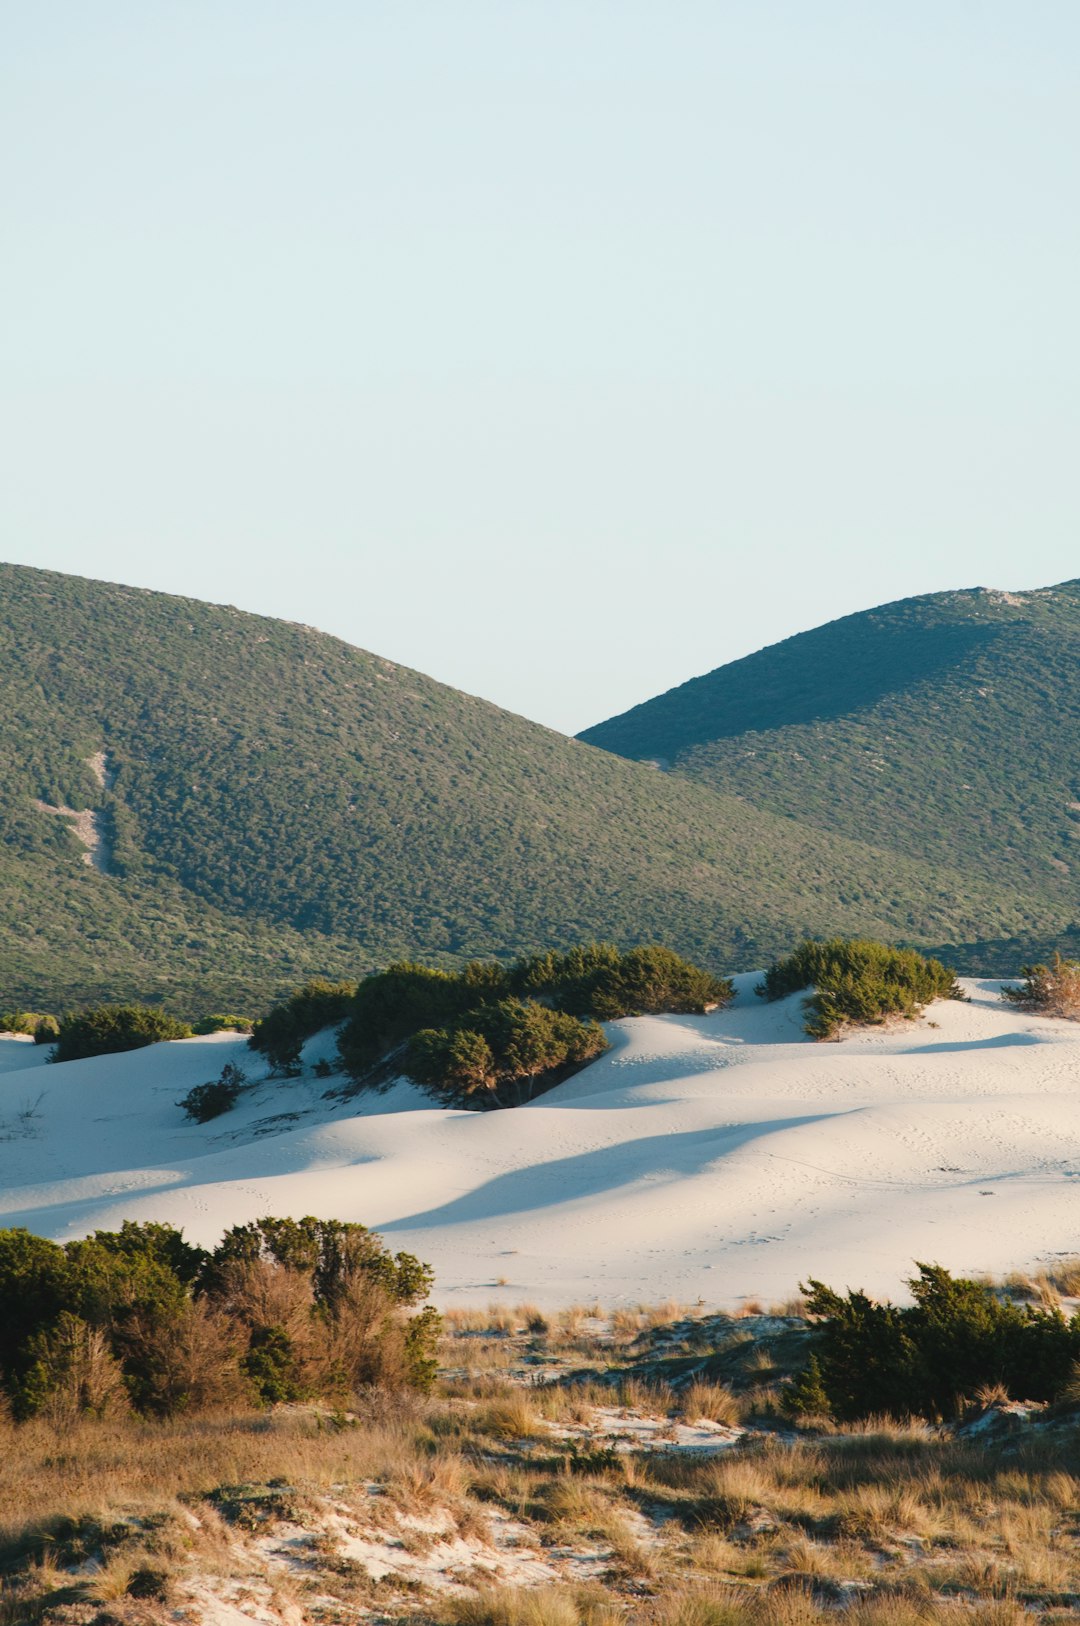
x=106, y=1030
x=857, y=981
x=39, y=1025
x=206, y=1101
x=597, y=980
x=281, y=1310
x=281, y=1033
x=502, y=1054
x=281, y=806
x=222, y=1022
x=469, y=1033
x=929, y=1359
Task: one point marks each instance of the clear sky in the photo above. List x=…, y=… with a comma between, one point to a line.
x=560, y=348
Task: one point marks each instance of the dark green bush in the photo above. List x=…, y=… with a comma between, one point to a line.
x=108, y=1029
x=929, y=1359
x=223, y=1022
x=41, y=1027
x=281, y=1033
x=598, y=980
x=207, y=1101
x=281, y=1310
x=391, y=1005
x=856, y=980
x=595, y=980
x=503, y=1054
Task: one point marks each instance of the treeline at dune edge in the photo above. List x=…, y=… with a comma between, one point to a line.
x=497, y=1034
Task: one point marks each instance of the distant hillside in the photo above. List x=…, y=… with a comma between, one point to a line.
x=945, y=728
x=262, y=800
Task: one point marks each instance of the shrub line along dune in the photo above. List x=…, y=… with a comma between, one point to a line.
x=491, y=1034
x=857, y=981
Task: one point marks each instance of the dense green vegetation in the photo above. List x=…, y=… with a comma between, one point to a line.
x=944, y=727
x=931, y=1358
x=501, y=1032
x=857, y=982
x=38, y=1025
x=104, y=1030
x=280, y=1034
x=278, y=806
x=502, y=1054
x=280, y=1310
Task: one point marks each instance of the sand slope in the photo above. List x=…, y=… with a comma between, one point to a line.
x=715, y=1157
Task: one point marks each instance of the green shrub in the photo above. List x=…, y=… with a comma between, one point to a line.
x=281, y=1033
x=595, y=980
x=502, y=1054
x=106, y=1030
x=223, y=1023
x=857, y=981
x=391, y=1005
x=206, y=1101
x=598, y=980
x=930, y=1358
x=42, y=1027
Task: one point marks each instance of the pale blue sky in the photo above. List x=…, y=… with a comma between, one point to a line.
x=563, y=350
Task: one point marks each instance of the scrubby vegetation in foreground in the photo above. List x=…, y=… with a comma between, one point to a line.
x=280, y=1310
x=931, y=1358
x=857, y=981
x=631, y=1488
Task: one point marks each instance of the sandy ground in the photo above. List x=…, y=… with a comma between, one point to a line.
x=707, y=1159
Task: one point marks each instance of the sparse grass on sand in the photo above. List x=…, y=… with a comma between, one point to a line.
x=574, y=1481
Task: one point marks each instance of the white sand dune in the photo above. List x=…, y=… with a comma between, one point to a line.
x=713, y=1158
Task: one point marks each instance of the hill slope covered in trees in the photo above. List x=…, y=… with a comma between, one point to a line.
x=945, y=727
x=258, y=801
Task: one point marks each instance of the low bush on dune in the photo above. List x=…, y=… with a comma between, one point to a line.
x=930, y=1359
x=138, y=1318
x=857, y=981
x=41, y=1027
x=281, y=1033
x=493, y=1032
x=1052, y=990
x=499, y=1055
x=106, y=1030
x=223, y=1022
x=207, y=1101
x=597, y=980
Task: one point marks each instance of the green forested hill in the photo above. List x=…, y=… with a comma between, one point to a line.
x=276, y=802
x=944, y=728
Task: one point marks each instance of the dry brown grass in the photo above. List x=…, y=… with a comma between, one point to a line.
x=770, y=1532
x=712, y=1401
